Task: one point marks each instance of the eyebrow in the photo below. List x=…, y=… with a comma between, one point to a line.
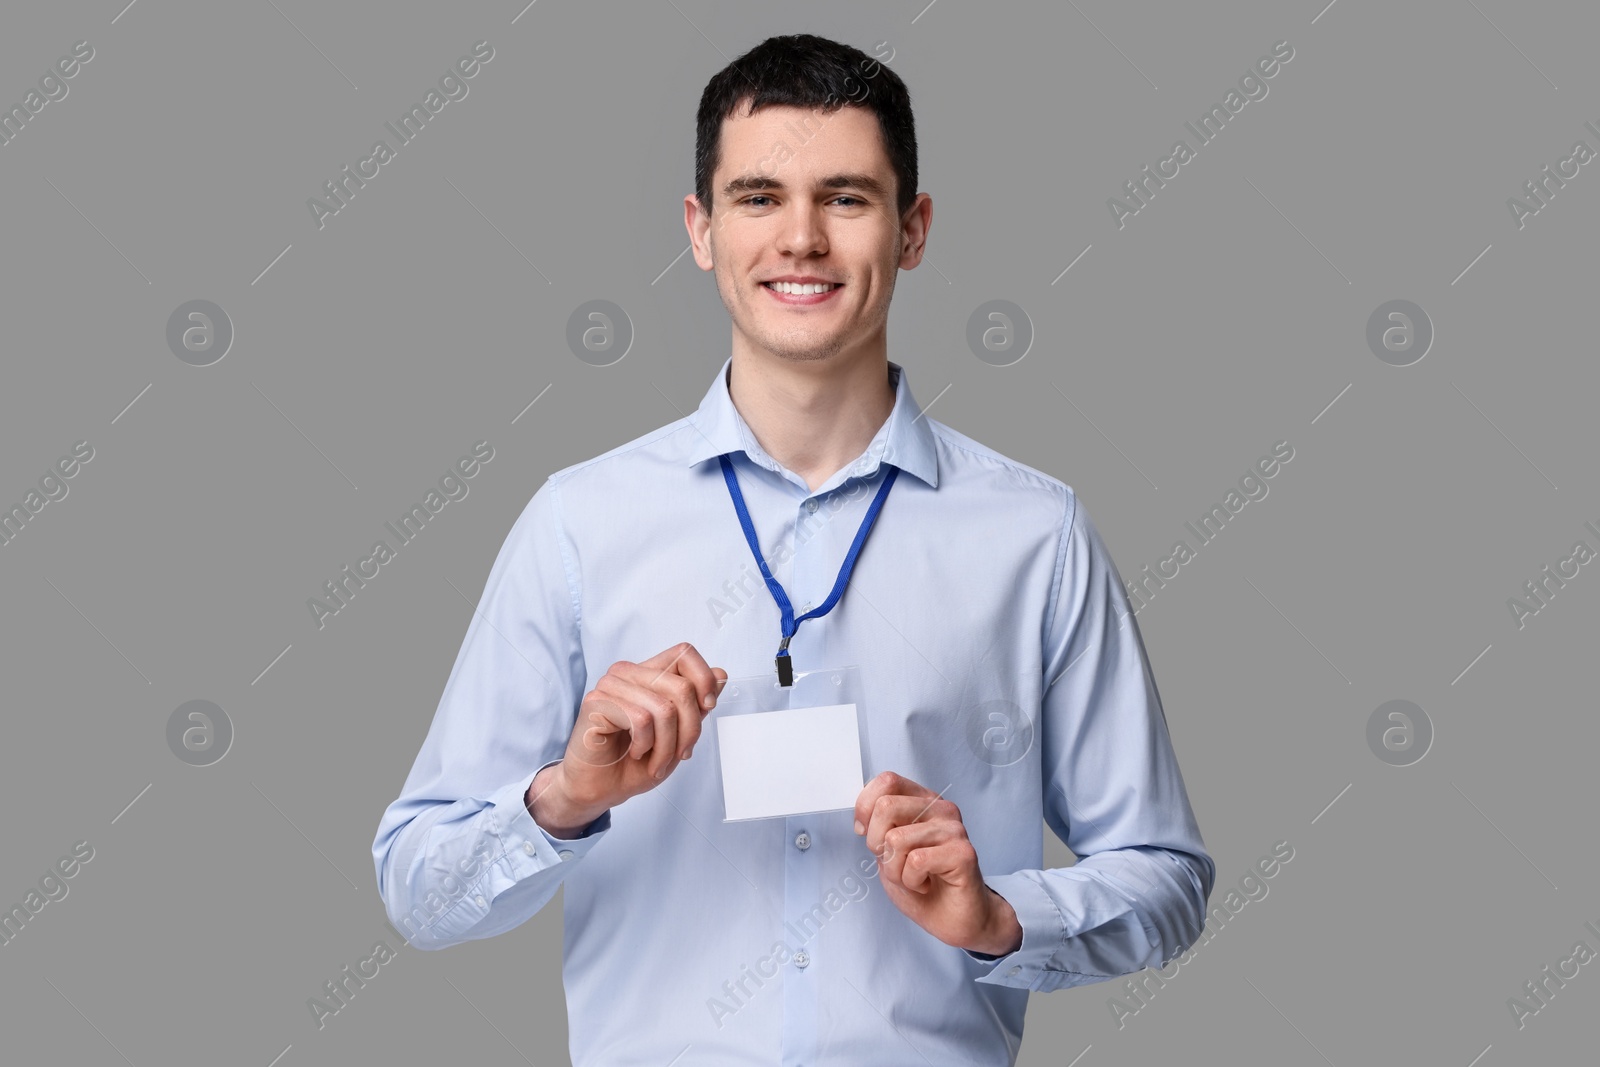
x=750, y=183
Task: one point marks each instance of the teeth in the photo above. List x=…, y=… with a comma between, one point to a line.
x=795, y=289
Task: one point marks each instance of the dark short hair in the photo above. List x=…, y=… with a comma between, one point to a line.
x=803, y=70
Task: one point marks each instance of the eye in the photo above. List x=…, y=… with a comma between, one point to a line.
x=751, y=200
x=854, y=201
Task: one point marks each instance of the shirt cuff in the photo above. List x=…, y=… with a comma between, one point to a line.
x=1043, y=929
x=526, y=847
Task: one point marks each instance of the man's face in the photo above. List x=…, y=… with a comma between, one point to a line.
x=805, y=198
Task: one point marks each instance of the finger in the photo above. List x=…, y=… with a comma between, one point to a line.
x=884, y=784
x=902, y=838
x=690, y=712
x=599, y=720
x=677, y=721
x=685, y=660
x=901, y=841
x=679, y=726
x=632, y=704
x=947, y=862
x=693, y=718
x=656, y=717
x=892, y=810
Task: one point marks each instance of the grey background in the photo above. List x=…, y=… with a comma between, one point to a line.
x=1226, y=316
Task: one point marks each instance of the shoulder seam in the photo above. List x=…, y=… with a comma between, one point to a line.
x=658, y=434
x=940, y=431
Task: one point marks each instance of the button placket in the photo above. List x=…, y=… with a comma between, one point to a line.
x=802, y=889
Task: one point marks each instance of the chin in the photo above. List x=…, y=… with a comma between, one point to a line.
x=806, y=349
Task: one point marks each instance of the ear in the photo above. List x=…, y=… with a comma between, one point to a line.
x=697, y=220
x=914, y=229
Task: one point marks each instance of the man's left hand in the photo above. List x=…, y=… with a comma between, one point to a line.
x=930, y=870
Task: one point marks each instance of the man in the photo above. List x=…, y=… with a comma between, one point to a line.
x=1003, y=678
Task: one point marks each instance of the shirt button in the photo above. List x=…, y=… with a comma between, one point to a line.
x=1014, y=970
x=482, y=903
x=802, y=840
x=801, y=960
x=527, y=846
x=565, y=854
x=811, y=505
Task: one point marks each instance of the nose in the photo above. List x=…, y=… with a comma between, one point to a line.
x=803, y=232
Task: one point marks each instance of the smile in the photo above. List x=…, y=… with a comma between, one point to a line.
x=799, y=293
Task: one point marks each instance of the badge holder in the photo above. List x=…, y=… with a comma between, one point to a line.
x=790, y=750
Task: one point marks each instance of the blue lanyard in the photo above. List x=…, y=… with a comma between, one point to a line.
x=790, y=624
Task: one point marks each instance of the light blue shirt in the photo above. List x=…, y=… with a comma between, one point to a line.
x=997, y=654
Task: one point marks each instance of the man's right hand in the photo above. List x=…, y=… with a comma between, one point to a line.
x=633, y=729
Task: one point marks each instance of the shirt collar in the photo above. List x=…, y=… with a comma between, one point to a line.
x=905, y=440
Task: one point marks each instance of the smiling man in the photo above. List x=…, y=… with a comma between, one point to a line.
x=1002, y=679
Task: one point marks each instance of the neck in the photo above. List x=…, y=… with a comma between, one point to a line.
x=812, y=417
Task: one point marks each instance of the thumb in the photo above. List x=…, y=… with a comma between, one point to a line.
x=721, y=677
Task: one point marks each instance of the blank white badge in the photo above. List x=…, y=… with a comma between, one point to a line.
x=790, y=762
